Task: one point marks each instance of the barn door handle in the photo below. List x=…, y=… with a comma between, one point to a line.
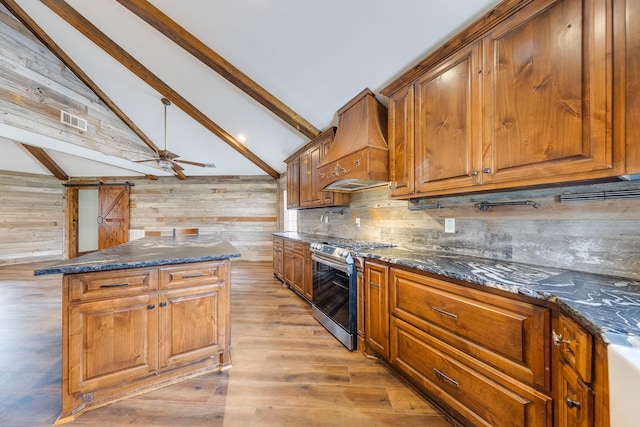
x=100, y=219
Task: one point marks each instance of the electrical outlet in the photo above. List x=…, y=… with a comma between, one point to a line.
x=321, y=219
x=449, y=225
x=357, y=222
x=326, y=219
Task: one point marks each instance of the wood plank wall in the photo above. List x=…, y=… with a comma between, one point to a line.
x=240, y=209
x=593, y=236
x=31, y=218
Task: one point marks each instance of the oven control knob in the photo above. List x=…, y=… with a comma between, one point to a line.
x=342, y=252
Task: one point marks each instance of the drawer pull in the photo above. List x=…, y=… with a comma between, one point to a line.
x=445, y=377
x=151, y=306
x=374, y=284
x=163, y=304
x=191, y=276
x=446, y=313
x=558, y=339
x=115, y=285
x=572, y=403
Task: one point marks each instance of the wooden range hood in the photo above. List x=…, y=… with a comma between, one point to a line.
x=359, y=156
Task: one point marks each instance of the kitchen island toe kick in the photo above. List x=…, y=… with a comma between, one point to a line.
x=141, y=316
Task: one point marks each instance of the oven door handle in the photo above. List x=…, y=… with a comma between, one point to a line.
x=341, y=267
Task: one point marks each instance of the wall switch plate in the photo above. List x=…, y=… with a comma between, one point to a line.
x=449, y=225
x=357, y=222
x=321, y=219
x=326, y=219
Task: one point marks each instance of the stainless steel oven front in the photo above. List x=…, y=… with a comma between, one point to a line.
x=335, y=295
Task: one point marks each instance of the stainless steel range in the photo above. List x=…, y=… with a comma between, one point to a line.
x=335, y=286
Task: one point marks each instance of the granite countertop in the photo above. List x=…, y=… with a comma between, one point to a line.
x=147, y=252
x=605, y=305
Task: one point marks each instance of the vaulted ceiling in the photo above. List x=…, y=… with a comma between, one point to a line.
x=249, y=81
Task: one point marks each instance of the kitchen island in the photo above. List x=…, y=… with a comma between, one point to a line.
x=142, y=315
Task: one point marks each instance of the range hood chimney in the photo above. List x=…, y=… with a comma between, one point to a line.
x=359, y=156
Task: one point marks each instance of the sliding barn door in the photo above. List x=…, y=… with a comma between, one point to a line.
x=113, y=215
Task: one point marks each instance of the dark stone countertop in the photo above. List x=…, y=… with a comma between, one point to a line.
x=605, y=305
x=147, y=252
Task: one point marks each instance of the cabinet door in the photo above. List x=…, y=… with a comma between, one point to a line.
x=191, y=324
x=298, y=273
x=307, y=286
x=575, y=400
x=287, y=266
x=401, y=142
x=376, y=311
x=293, y=184
x=547, y=86
x=627, y=25
x=448, y=124
x=112, y=341
x=278, y=258
x=306, y=190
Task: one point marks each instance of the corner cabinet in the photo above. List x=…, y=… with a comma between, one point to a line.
x=134, y=330
x=525, y=101
x=303, y=177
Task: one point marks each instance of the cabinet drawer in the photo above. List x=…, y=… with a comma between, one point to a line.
x=193, y=274
x=110, y=284
x=509, y=335
x=296, y=247
x=278, y=241
x=487, y=398
x=575, y=346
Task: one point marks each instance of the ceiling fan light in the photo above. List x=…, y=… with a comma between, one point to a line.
x=165, y=165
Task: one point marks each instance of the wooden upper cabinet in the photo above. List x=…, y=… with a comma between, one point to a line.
x=293, y=184
x=627, y=69
x=448, y=124
x=547, y=90
x=401, y=142
x=308, y=193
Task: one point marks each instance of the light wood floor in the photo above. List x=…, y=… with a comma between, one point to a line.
x=287, y=370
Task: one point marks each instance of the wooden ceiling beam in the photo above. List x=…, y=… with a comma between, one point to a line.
x=39, y=33
x=46, y=161
x=84, y=26
x=161, y=22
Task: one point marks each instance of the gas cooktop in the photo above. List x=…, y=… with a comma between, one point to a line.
x=350, y=244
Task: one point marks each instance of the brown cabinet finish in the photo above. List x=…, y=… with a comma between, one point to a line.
x=448, y=133
x=297, y=268
x=547, y=89
x=467, y=318
x=521, y=98
x=305, y=179
x=401, y=142
x=278, y=258
x=293, y=184
x=376, y=297
x=134, y=330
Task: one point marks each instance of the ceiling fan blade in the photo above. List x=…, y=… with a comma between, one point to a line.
x=187, y=162
x=176, y=167
x=143, y=161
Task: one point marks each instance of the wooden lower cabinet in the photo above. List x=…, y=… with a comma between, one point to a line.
x=376, y=278
x=478, y=394
x=133, y=330
x=297, y=268
x=278, y=257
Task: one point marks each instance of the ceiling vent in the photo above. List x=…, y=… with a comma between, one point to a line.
x=71, y=120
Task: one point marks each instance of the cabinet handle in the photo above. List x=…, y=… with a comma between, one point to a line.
x=486, y=170
x=446, y=313
x=374, y=284
x=190, y=276
x=445, y=377
x=163, y=304
x=115, y=285
x=151, y=306
x=558, y=339
x=572, y=403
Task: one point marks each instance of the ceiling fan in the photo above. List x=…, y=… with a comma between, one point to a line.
x=167, y=160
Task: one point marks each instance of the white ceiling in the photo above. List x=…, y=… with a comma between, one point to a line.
x=312, y=55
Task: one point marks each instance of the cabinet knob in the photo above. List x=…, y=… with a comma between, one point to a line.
x=151, y=306
x=571, y=403
x=474, y=173
x=163, y=304
x=486, y=170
